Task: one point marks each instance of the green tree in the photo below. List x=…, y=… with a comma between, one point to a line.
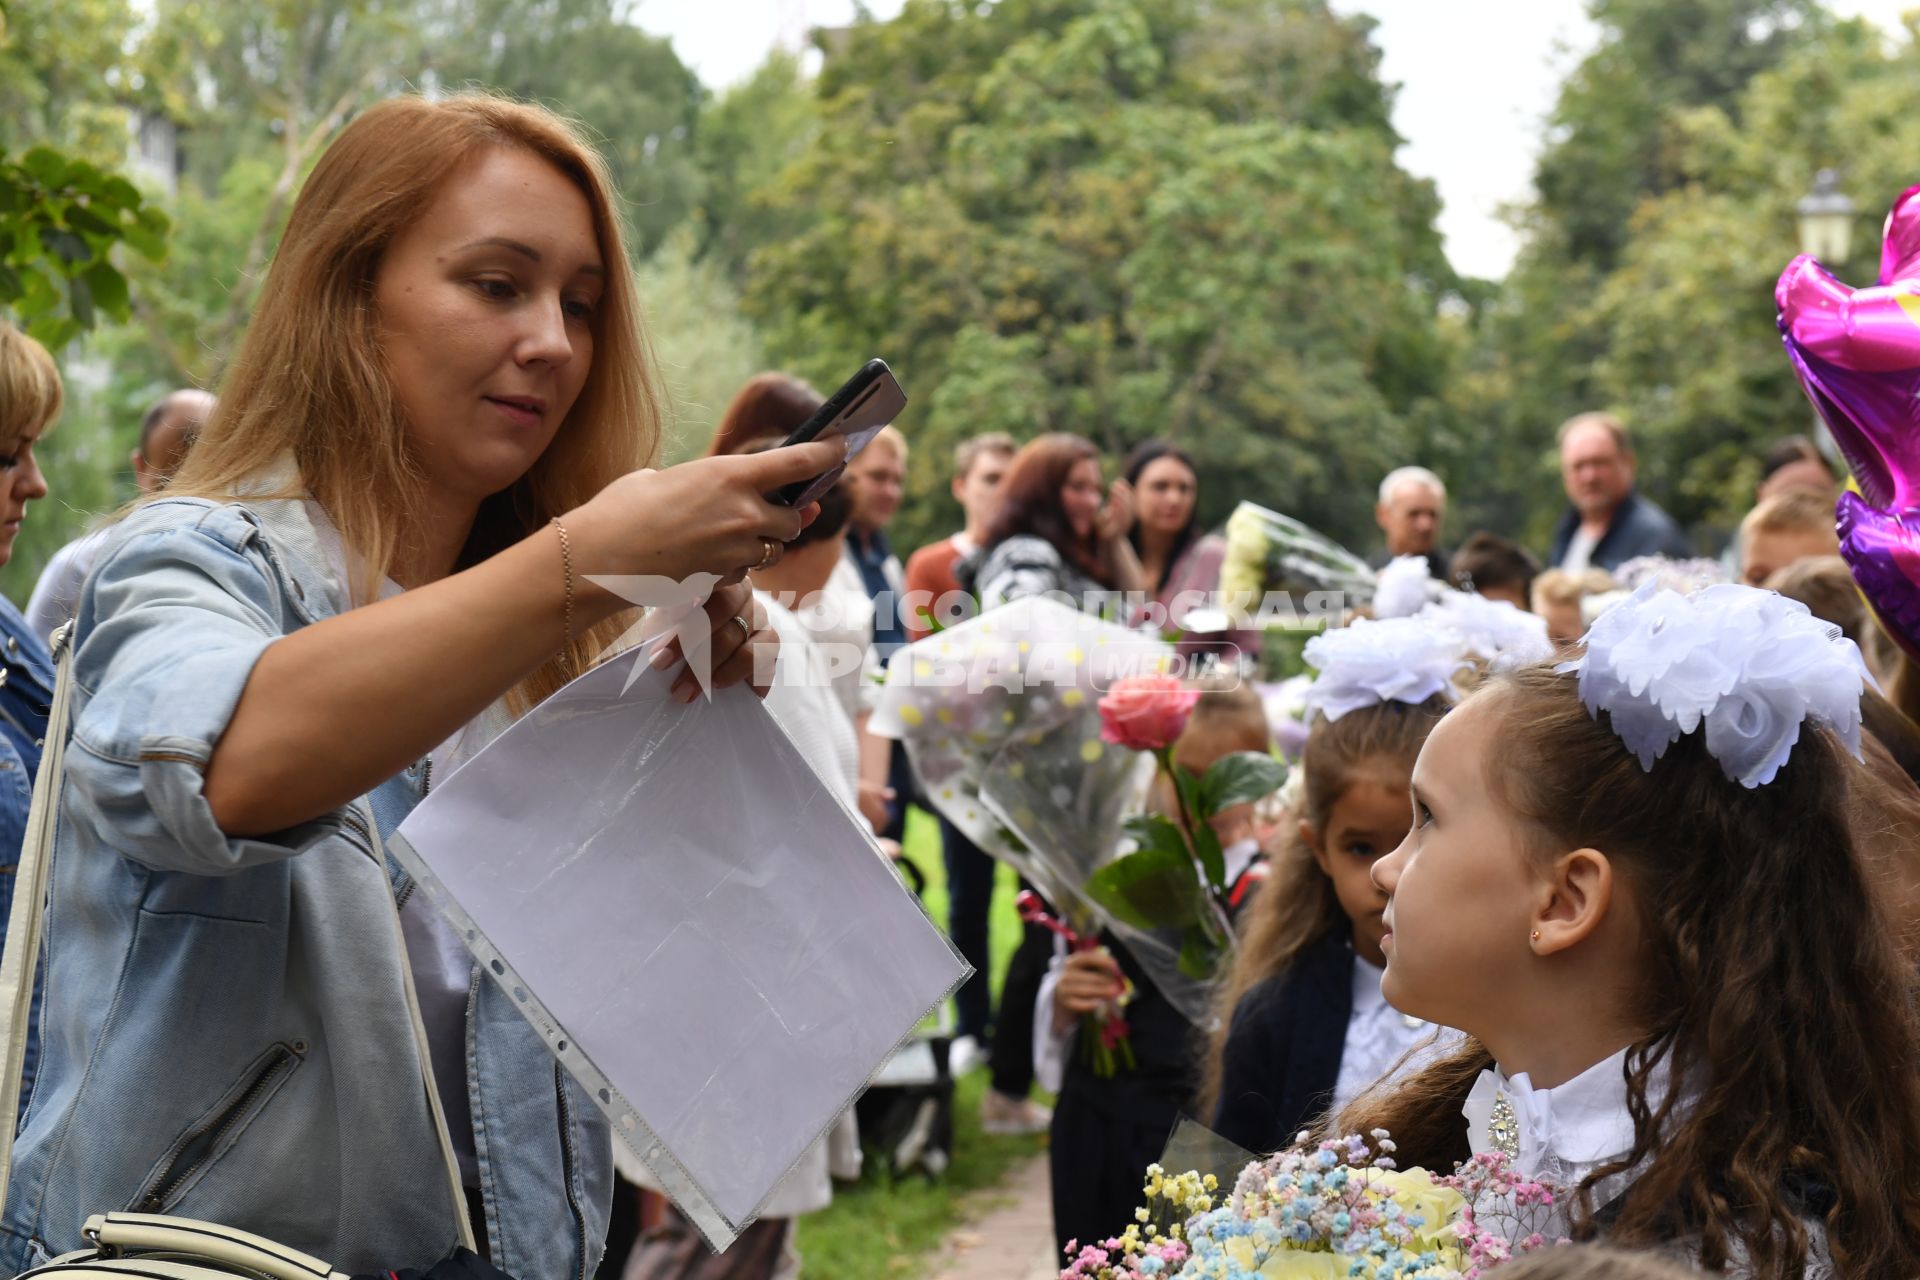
x=587, y=59
x=1692, y=355
x=1125, y=218
x=703, y=347
x=745, y=138
x=1624, y=137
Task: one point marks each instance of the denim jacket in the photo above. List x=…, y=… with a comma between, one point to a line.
x=227, y=1032
x=26, y=689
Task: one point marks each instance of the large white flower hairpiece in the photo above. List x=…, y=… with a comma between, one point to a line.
x=1374, y=661
x=1490, y=629
x=1750, y=666
x=1403, y=587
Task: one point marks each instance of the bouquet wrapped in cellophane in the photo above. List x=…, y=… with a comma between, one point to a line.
x=1029, y=673
x=1269, y=552
x=1001, y=719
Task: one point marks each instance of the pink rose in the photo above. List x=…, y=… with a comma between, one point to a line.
x=1145, y=713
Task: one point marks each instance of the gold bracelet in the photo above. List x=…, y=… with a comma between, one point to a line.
x=566, y=565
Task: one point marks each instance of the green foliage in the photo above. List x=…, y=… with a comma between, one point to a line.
x=60, y=218
x=1121, y=217
x=588, y=60
x=704, y=350
x=1242, y=777
x=1663, y=215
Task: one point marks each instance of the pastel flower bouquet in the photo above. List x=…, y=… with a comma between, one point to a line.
x=1327, y=1212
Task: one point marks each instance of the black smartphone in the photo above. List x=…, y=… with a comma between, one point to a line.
x=870, y=400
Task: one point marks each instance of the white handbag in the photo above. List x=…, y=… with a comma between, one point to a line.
x=129, y=1244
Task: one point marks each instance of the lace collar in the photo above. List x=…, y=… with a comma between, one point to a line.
x=1583, y=1122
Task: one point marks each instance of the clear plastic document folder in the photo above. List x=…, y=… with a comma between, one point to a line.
x=707, y=939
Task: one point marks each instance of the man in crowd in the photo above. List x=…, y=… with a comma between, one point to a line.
x=877, y=480
x=1792, y=525
x=979, y=463
x=1607, y=523
x=1411, y=509
x=166, y=433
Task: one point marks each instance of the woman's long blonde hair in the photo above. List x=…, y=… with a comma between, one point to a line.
x=310, y=380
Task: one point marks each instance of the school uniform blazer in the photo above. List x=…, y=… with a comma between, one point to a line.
x=1282, y=1058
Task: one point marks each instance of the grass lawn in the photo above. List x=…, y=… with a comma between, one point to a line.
x=878, y=1229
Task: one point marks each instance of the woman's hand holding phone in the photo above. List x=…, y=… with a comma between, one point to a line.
x=707, y=516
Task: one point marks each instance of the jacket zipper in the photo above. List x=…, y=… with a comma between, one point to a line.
x=406, y=890
x=192, y=1152
x=567, y=1166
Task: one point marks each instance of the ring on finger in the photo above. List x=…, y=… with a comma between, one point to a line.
x=769, y=552
x=746, y=627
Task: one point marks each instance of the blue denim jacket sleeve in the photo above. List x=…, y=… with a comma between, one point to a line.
x=171, y=625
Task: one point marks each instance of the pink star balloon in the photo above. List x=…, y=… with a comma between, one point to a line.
x=1857, y=352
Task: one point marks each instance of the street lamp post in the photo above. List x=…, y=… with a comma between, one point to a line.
x=1826, y=220
x=1826, y=231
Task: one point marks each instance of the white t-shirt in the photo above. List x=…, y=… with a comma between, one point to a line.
x=56, y=596
x=1579, y=551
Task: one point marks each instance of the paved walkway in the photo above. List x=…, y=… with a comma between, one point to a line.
x=1012, y=1237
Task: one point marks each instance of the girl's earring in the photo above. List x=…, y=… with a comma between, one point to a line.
x=1536, y=935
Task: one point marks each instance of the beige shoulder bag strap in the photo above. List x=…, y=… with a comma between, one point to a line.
x=21, y=957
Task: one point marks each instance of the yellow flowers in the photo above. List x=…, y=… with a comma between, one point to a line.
x=1418, y=1193
x=1287, y=1264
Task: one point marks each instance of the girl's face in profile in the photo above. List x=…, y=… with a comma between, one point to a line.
x=1460, y=888
x=1080, y=497
x=486, y=309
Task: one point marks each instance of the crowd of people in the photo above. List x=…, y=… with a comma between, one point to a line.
x=374, y=550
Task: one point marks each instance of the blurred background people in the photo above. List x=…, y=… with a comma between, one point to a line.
x=166, y=433
x=1607, y=522
x=1411, y=508
x=1497, y=568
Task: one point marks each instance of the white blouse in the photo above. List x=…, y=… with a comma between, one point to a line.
x=1379, y=1036
x=1564, y=1133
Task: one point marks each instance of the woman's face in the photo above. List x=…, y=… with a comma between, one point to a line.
x=1081, y=496
x=20, y=483
x=1460, y=888
x=1164, y=495
x=486, y=308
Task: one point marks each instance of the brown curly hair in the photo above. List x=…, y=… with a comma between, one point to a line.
x=1772, y=982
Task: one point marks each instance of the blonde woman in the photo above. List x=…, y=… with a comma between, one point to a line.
x=30, y=398
x=377, y=552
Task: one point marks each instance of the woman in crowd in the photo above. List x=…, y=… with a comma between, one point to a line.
x=30, y=398
x=1059, y=532
x=437, y=428
x=1179, y=564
